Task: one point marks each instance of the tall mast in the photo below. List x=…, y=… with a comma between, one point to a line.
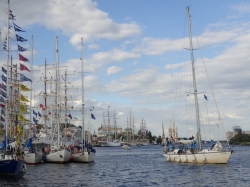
x=31, y=104
x=7, y=76
x=57, y=92
x=194, y=80
x=83, y=131
x=45, y=95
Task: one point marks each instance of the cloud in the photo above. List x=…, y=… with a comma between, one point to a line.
x=159, y=46
x=100, y=59
x=86, y=21
x=113, y=70
x=93, y=46
x=241, y=8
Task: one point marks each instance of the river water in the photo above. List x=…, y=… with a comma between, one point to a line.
x=139, y=167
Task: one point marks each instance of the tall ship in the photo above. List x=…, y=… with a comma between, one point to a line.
x=11, y=101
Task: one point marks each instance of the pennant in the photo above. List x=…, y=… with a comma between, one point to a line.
x=16, y=25
x=21, y=118
x=4, y=94
x=23, y=67
x=19, y=128
x=3, y=86
x=4, y=70
x=24, y=88
x=92, y=116
x=2, y=99
x=4, y=78
x=39, y=114
x=18, y=29
x=41, y=106
x=35, y=120
x=205, y=97
x=22, y=98
x=21, y=48
x=22, y=58
x=20, y=39
x=23, y=78
x=12, y=16
x=70, y=116
x=34, y=113
x=2, y=119
x=22, y=108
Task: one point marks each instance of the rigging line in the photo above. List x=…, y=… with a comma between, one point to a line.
x=211, y=88
x=201, y=80
x=179, y=79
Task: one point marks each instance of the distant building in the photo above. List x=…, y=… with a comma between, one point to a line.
x=236, y=129
x=229, y=135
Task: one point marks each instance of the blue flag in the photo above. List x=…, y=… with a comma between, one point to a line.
x=17, y=29
x=39, y=114
x=2, y=99
x=70, y=116
x=4, y=94
x=4, y=70
x=4, y=79
x=4, y=87
x=23, y=78
x=20, y=39
x=92, y=116
x=21, y=48
x=34, y=113
x=35, y=120
x=205, y=97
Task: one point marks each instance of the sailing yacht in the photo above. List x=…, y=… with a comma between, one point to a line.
x=86, y=153
x=59, y=153
x=197, y=154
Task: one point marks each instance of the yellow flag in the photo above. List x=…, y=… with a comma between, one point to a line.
x=24, y=88
x=21, y=118
x=19, y=128
x=22, y=98
x=22, y=108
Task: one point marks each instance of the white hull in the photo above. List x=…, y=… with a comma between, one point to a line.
x=33, y=158
x=60, y=156
x=144, y=143
x=127, y=147
x=202, y=157
x=110, y=144
x=84, y=157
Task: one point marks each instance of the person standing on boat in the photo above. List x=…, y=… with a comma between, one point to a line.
x=193, y=147
x=212, y=144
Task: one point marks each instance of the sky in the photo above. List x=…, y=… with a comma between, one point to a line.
x=134, y=56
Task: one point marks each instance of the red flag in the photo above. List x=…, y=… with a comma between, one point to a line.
x=22, y=58
x=43, y=108
x=23, y=67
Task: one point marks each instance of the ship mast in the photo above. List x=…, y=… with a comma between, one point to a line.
x=83, y=131
x=194, y=80
x=7, y=76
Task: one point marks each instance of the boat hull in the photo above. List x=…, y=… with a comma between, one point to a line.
x=12, y=168
x=214, y=157
x=33, y=158
x=110, y=144
x=84, y=157
x=61, y=156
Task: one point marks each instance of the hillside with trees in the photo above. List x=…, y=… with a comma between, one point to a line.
x=240, y=139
